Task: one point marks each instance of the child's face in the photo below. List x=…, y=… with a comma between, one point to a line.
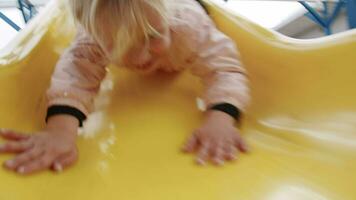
x=141, y=54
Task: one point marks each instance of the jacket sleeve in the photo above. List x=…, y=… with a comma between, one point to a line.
x=78, y=74
x=216, y=61
x=218, y=65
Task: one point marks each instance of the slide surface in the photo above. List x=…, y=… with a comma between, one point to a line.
x=301, y=125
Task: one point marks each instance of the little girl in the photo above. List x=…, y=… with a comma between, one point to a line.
x=145, y=36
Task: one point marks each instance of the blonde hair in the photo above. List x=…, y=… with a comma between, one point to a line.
x=122, y=23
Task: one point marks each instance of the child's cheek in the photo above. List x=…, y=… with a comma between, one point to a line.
x=159, y=46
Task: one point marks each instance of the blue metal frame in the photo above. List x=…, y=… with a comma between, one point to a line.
x=28, y=11
x=9, y=21
x=351, y=13
x=326, y=20
x=27, y=8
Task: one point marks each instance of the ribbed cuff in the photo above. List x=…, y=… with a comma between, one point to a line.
x=67, y=110
x=203, y=6
x=227, y=108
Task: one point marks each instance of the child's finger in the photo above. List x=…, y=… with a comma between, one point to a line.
x=218, y=155
x=41, y=163
x=65, y=161
x=203, y=153
x=231, y=152
x=12, y=135
x=241, y=145
x=191, y=144
x=15, y=147
x=23, y=158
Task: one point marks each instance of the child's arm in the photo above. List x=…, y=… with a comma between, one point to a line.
x=75, y=82
x=226, y=92
x=77, y=77
x=226, y=96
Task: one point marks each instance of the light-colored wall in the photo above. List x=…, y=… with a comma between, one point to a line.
x=13, y=3
x=304, y=28
x=7, y=33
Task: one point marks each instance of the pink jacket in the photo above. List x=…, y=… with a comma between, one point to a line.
x=208, y=53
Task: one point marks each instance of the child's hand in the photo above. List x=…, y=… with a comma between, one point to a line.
x=45, y=150
x=217, y=140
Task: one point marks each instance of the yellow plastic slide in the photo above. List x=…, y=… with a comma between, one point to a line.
x=301, y=125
